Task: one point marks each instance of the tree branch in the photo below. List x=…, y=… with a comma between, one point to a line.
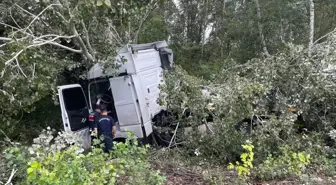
x=40, y=42
x=49, y=6
x=24, y=10
x=10, y=13
x=15, y=28
x=33, y=71
x=85, y=51
x=5, y=39
x=87, y=38
x=116, y=36
x=142, y=21
x=9, y=181
x=57, y=36
x=15, y=56
x=18, y=65
x=324, y=36
x=65, y=47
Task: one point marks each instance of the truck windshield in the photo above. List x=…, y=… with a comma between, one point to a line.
x=96, y=88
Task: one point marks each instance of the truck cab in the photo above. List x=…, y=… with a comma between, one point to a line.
x=131, y=97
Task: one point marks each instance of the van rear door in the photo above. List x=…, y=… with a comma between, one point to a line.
x=75, y=111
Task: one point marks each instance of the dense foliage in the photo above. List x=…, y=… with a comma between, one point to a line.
x=60, y=160
x=235, y=60
x=270, y=86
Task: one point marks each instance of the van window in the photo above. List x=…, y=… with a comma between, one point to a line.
x=74, y=99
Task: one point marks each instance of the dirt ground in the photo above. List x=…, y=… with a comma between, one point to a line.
x=181, y=176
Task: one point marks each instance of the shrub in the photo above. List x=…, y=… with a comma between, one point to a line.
x=60, y=160
x=287, y=164
x=14, y=158
x=244, y=167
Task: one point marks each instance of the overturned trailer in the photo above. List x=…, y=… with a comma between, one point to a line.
x=131, y=97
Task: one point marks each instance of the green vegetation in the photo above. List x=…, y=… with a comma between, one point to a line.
x=247, y=159
x=260, y=57
x=55, y=160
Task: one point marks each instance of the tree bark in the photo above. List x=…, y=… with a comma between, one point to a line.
x=262, y=37
x=205, y=25
x=311, y=25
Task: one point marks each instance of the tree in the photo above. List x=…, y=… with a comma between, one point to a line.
x=40, y=40
x=265, y=50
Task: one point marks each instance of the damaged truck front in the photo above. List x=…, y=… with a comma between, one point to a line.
x=131, y=97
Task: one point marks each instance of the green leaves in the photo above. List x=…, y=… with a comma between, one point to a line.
x=244, y=169
x=285, y=164
x=103, y=2
x=57, y=165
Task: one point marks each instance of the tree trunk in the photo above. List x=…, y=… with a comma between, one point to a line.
x=205, y=25
x=311, y=25
x=263, y=42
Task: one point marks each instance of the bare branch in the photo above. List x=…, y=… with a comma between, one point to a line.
x=33, y=73
x=44, y=42
x=15, y=28
x=51, y=42
x=115, y=35
x=7, y=25
x=7, y=138
x=87, y=38
x=15, y=56
x=37, y=17
x=5, y=39
x=11, y=177
x=85, y=51
x=10, y=13
x=40, y=41
x=18, y=65
x=56, y=37
x=24, y=10
x=324, y=36
x=11, y=40
x=65, y=47
x=171, y=141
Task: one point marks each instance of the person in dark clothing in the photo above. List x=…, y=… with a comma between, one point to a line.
x=93, y=124
x=96, y=114
x=106, y=129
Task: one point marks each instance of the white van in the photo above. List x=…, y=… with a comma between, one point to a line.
x=131, y=97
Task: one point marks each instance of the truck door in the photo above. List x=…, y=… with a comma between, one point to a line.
x=127, y=104
x=75, y=111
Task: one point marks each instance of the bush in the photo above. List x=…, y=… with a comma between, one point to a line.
x=260, y=87
x=244, y=167
x=14, y=158
x=60, y=160
x=288, y=163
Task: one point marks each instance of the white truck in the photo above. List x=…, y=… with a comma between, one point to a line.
x=131, y=97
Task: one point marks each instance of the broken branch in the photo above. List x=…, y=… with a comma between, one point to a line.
x=11, y=177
